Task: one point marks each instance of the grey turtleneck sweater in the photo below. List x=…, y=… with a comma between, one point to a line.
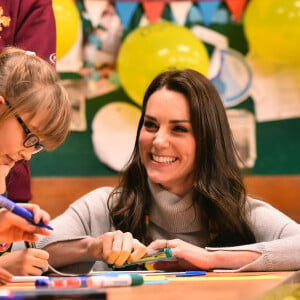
x=171, y=217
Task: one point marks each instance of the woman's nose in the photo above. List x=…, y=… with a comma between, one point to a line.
x=161, y=139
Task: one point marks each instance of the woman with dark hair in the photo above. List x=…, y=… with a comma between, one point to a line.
x=182, y=189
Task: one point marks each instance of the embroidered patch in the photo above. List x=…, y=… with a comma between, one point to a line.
x=4, y=20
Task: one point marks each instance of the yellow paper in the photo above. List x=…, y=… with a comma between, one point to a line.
x=223, y=278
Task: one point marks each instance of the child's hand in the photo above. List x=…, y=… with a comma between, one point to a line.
x=15, y=228
x=5, y=276
x=27, y=262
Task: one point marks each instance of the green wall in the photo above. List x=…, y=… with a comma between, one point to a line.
x=278, y=142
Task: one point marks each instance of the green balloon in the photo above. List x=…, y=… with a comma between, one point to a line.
x=272, y=29
x=152, y=49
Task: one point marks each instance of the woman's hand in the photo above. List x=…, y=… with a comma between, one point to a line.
x=28, y=262
x=191, y=257
x=15, y=228
x=117, y=248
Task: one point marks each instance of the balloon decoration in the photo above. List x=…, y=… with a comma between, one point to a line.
x=68, y=25
x=152, y=49
x=272, y=30
x=114, y=130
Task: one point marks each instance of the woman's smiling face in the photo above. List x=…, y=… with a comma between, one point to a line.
x=166, y=143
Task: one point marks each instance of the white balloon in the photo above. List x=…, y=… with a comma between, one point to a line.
x=113, y=133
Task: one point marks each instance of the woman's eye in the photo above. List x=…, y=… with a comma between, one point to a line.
x=180, y=129
x=149, y=125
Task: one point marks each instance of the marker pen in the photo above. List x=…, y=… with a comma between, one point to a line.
x=102, y=281
x=20, y=211
x=114, y=281
x=152, y=256
x=61, y=282
x=190, y=273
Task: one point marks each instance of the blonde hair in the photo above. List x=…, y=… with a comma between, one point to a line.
x=31, y=85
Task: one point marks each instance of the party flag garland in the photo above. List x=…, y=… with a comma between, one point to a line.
x=153, y=9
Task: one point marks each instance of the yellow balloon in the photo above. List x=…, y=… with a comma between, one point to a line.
x=272, y=29
x=68, y=25
x=150, y=50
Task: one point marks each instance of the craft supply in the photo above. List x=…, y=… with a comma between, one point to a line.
x=152, y=256
x=102, y=281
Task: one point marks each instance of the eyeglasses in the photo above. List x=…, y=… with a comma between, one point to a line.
x=31, y=140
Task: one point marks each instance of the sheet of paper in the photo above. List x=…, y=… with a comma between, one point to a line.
x=275, y=90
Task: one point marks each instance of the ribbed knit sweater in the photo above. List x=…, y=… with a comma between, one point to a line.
x=172, y=216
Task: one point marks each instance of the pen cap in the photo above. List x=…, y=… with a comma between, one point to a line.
x=136, y=279
x=168, y=252
x=42, y=282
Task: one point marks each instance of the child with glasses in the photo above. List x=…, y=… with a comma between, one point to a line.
x=31, y=26
x=35, y=114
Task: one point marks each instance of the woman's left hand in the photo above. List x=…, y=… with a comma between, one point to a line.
x=189, y=256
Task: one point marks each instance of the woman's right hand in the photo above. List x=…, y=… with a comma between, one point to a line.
x=116, y=248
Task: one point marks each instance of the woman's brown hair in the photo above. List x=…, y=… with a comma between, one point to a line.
x=219, y=194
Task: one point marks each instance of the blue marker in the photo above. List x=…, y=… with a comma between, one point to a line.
x=20, y=211
x=191, y=273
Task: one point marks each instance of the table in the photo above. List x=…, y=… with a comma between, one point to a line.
x=223, y=286
x=213, y=286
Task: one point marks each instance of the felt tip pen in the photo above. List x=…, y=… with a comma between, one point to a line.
x=150, y=257
x=190, y=273
x=91, y=281
x=20, y=211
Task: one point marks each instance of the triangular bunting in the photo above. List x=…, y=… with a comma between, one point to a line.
x=153, y=10
x=236, y=8
x=125, y=10
x=194, y=15
x=208, y=9
x=180, y=10
x=95, y=9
